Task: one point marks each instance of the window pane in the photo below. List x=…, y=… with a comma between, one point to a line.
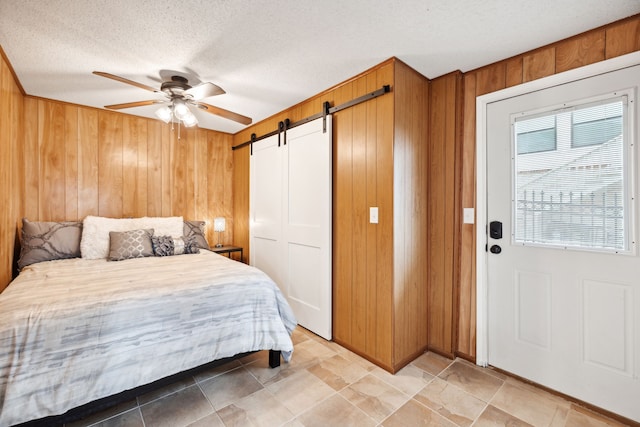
x=573, y=195
x=536, y=135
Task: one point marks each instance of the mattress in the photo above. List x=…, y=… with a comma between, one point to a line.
x=76, y=330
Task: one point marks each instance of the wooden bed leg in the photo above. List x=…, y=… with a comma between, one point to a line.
x=274, y=358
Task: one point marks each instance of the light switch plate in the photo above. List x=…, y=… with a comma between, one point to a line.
x=373, y=215
x=468, y=216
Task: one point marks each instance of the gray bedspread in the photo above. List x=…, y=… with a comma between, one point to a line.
x=73, y=331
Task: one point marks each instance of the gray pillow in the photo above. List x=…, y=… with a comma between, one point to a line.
x=47, y=241
x=130, y=244
x=196, y=229
x=167, y=245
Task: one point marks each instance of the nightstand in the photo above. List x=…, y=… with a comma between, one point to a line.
x=227, y=249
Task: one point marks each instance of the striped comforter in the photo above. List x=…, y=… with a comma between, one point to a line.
x=73, y=331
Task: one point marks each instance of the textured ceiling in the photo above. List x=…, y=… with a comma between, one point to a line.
x=269, y=55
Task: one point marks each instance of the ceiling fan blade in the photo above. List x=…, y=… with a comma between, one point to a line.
x=204, y=90
x=134, y=104
x=123, y=80
x=225, y=113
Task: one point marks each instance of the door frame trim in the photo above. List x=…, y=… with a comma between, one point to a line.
x=482, y=300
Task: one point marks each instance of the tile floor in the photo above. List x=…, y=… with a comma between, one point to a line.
x=327, y=385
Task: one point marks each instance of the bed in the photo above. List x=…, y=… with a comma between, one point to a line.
x=76, y=330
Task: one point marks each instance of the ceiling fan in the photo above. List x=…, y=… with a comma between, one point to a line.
x=180, y=91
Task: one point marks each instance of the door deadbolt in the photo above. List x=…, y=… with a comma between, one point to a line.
x=495, y=230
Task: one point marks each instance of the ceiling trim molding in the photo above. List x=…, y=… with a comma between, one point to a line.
x=13, y=72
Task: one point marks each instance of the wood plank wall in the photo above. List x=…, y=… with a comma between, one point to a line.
x=602, y=43
x=411, y=178
x=11, y=120
x=443, y=213
x=64, y=162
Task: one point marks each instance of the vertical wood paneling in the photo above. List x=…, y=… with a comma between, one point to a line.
x=154, y=169
x=371, y=255
x=31, y=168
x=580, y=51
x=538, y=64
x=384, y=236
x=466, y=313
x=52, y=161
x=359, y=216
x=110, y=155
x=444, y=110
x=622, y=38
x=342, y=220
x=88, y=153
x=11, y=178
x=513, y=72
x=71, y=161
x=410, y=159
x=241, y=198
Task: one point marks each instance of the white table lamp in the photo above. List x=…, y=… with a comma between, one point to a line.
x=218, y=227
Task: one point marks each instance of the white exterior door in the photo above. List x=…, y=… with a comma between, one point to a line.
x=564, y=278
x=291, y=216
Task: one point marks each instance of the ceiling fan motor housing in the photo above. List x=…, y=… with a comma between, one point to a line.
x=176, y=86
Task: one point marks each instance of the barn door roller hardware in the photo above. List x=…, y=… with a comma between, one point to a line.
x=283, y=126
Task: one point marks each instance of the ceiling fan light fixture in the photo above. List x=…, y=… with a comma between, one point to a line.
x=164, y=114
x=180, y=109
x=190, y=120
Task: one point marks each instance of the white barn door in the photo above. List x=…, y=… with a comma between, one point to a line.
x=296, y=203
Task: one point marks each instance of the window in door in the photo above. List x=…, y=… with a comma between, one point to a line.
x=571, y=176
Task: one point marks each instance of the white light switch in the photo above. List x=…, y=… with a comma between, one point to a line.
x=373, y=215
x=468, y=216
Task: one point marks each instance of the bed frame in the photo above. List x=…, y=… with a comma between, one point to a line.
x=90, y=408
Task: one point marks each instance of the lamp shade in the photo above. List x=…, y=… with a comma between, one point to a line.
x=218, y=224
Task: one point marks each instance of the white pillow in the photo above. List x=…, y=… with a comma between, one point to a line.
x=95, y=231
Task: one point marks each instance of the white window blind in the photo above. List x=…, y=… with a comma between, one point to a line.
x=569, y=177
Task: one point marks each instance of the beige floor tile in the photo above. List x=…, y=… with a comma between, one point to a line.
x=374, y=397
x=349, y=355
x=338, y=372
x=472, y=380
x=211, y=420
x=178, y=409
x=415, y=414
x=581, y=417
x=494, y=417
x=131, y=418
x=408, y=380
x=229, y=387
x=218, y=370
x=168, y=389
x=259, y=409
x=432, y=363
x=300, y=391
x=103, y=415
x=451, y=402
x=266, y=375
x=335, y=411
x=533, y=406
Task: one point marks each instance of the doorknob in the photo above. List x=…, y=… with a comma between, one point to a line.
x=495, y=249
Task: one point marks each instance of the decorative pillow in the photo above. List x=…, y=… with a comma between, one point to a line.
x=47, y=241
x=95, y=232
x=167, y=245
x=130, y=244
x=196, y=228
